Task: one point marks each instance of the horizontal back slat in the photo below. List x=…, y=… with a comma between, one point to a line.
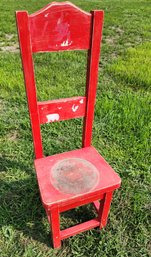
x=61, y=109
x=58, y=27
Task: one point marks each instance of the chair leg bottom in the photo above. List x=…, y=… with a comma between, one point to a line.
x=102, y=207
x=55, y=227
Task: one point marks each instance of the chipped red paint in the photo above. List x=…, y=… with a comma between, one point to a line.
x=59, y=27
x=66, y=108
x=56, y=28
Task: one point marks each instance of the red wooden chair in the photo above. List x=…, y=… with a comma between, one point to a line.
x=81, y=176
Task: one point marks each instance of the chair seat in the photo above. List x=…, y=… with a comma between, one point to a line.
x=68, y=177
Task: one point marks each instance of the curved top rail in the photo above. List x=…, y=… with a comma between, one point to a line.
x=48, y=6
x=60, y=26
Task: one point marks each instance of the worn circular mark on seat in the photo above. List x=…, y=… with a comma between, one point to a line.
x=74, y=176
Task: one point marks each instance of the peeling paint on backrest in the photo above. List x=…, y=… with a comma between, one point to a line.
x=58, y=27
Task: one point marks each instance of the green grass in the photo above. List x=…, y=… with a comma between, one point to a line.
x=121, y=134
x=134, y=67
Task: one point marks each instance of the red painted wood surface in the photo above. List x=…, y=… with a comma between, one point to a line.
x=90, y=199
x=79, y=228
x=61, y=109
x=55, y=226
x=26, y=26
x=27, y=62
x=96, y=205
x=59, y=27
x=107, y=178
x=92, y=75
x=105, y=208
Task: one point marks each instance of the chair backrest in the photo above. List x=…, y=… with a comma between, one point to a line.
x=60, y=27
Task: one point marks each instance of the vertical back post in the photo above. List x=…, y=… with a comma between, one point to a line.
x=92, y=75
x=27, y=62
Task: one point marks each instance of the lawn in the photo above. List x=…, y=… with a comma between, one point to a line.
x=121, y=134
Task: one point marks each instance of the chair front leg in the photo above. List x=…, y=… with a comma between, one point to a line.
x=104, y=209
x=55, y=226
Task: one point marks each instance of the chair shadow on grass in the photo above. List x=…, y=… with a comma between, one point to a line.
x=21, y=206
